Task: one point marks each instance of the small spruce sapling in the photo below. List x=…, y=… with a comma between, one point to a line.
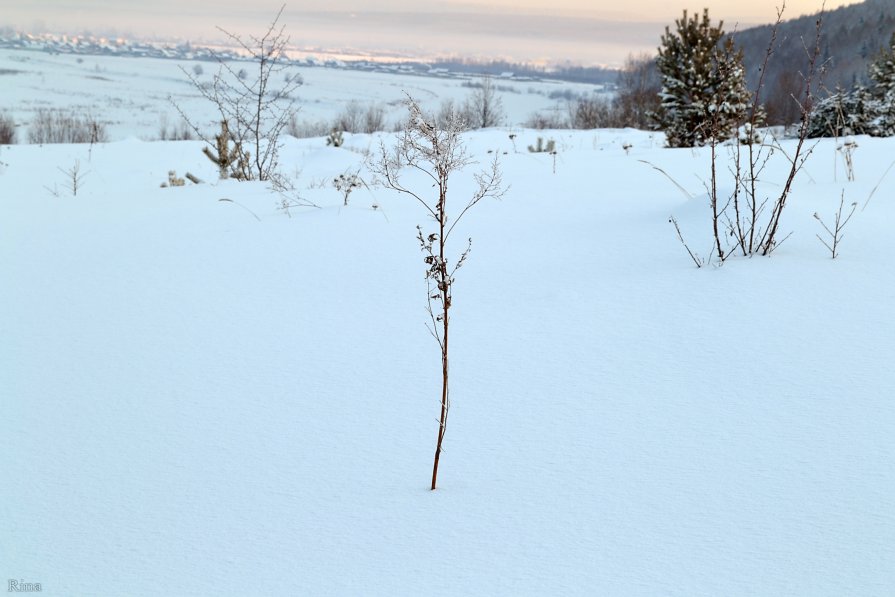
x=232, y=162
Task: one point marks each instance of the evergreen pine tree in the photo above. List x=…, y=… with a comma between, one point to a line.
x=882, y=73
x=704, y=92
x=844, y=113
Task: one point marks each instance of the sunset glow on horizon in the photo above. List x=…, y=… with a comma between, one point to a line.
x=579, y=31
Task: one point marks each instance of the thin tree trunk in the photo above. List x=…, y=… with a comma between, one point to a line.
x=444, y=288
x=714, y=199
x=444, y=403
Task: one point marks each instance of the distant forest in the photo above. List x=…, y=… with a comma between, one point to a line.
x=851, y=37
x=572, y=74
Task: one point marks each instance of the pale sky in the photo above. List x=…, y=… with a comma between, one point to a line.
x=583, y=31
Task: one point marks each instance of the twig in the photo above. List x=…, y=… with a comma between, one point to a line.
x=240, y=205
x=835, y=234
x=694, y=257
x=877, y=186
x=686, y=193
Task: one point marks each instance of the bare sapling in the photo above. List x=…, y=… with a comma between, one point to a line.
x=806, y=108
x=254, y=112
x=747, y=213
x=435, y=151
x=716, y=130
x=713, y=190
x=74, y=178
x=834, y=235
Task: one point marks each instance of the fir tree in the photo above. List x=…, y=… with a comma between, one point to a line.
x=844, y=113
x=862, y=110
x=704, y=92
x=882, y=73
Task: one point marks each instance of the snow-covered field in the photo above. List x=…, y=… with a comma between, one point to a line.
x=131, y=95
x=206, y=397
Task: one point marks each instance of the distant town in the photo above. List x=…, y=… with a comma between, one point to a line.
x=89, y=45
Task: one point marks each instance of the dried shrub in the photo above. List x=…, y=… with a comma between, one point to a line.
x=59, y=126
x=354, y=118
x=593, y=113
x=547, y=120
x=306, y=129
x=7, y=129
x=179, y=131
x=484, y=107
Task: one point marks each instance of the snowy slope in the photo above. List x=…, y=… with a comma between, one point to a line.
x=197, y=402
x=134, y=96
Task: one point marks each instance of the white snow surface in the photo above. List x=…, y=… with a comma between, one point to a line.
x=196, y=402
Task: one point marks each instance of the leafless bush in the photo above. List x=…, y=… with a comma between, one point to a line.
x=746, y=222
x=57, y=126
x=354, y=118
x=593, y=113
x=374, y=119
x=484, y=108
x=7, y=129
x=553, y=119
x=255, y=113
x=779, y=104
x=437, y=152
x=636, y=99
x=805, y=99
x=639, y=85
x=179, y=131
x=449, y=114
x=306, y=129
x=350, y=119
